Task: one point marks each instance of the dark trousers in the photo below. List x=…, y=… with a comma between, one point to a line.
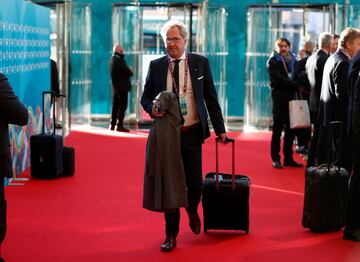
x=2, y=211
x=119, y=106
x=303, y=136
x=353, y=213
x=191, y=152
x=278, y=126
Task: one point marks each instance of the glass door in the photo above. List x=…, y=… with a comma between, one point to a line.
x=215, y=48
x=137, y=28
x=80, y=63
x=264, y=25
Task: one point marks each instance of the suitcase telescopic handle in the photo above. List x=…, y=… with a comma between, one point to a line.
x=227, y=140
x=52, y=93
x=332, y=144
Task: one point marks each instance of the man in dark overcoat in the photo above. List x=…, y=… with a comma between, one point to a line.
x=314, y=70
x=352, y=223
x=11, y=112
x=121, y=85
x=189, y=77
x=281, y=69
x=334, y=98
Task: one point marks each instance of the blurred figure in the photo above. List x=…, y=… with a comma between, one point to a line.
x=281, y=68
x=303, y=134
x=314, y=70
x=352, y=222
x=54, y=78
x=335, y=43
x=334, y=98
x=12, y=111
x=121, y=85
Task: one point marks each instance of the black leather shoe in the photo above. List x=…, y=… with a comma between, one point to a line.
x=194, y=221
x=353, y=235
x=292, y=163
x=112, y=128
x=122, y=129
x=169, y=244
x=277, y=164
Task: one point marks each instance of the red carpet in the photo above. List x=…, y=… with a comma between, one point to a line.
x=97, y=215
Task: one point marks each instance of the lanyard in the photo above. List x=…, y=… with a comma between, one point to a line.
x=171, y=68
x=285, y=67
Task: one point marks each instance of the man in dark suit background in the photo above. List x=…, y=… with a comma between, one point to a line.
x=281, y=69
x=333, y=97
x=11, y=112
x=303, y=135
x=121, y=85
x=314, y=71
x=352, y=223
x=190, y=78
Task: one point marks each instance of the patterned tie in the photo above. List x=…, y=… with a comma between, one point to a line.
x=176, y=77
x=176, y=89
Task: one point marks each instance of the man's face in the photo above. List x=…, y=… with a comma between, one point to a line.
x=283, y=48
x=354, y=47
x=175, y=43
x=334, y=45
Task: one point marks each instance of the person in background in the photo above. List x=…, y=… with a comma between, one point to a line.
x=333, y=104
x=352, y=221
x=12, y=111
x=189, y=77
x=54, y=78
x=281, y=69
x=335, y=43
x=314, y=71
x=121, y=85
x=303, y=134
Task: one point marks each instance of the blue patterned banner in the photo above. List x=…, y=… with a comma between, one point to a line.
x=25, y=60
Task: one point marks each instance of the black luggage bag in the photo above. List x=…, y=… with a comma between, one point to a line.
x=225, y=199
x=68, y=161
x=325, y=198
x=46, y=150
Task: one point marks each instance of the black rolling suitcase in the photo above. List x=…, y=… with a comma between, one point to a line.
x=225, y=198
x=46, y=150
x=326, y=189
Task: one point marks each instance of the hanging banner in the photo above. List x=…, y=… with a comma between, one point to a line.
x=25, y=60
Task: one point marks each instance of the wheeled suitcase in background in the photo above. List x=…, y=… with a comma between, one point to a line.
x=225, y=199
x=325, y=198
x=68, y=161
x=46, y=150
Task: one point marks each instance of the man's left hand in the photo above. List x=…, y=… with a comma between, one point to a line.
x=222, y=137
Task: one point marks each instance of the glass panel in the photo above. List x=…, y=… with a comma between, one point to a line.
x=126, y=21
x=59, y=53
x=80, y=63
x=347, y=16
x=137, y=28
x=265, y=25
x=217, y=50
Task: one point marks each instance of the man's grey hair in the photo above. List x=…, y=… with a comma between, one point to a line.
x=174, y=23
x=325, y=39
x=348, y=36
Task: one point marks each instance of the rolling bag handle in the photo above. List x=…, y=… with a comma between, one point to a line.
x=53, y=95
x=43, y=109
x=227, y=140
x=332, y=144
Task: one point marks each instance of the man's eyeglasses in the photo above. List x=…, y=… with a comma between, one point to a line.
x=173, y=40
